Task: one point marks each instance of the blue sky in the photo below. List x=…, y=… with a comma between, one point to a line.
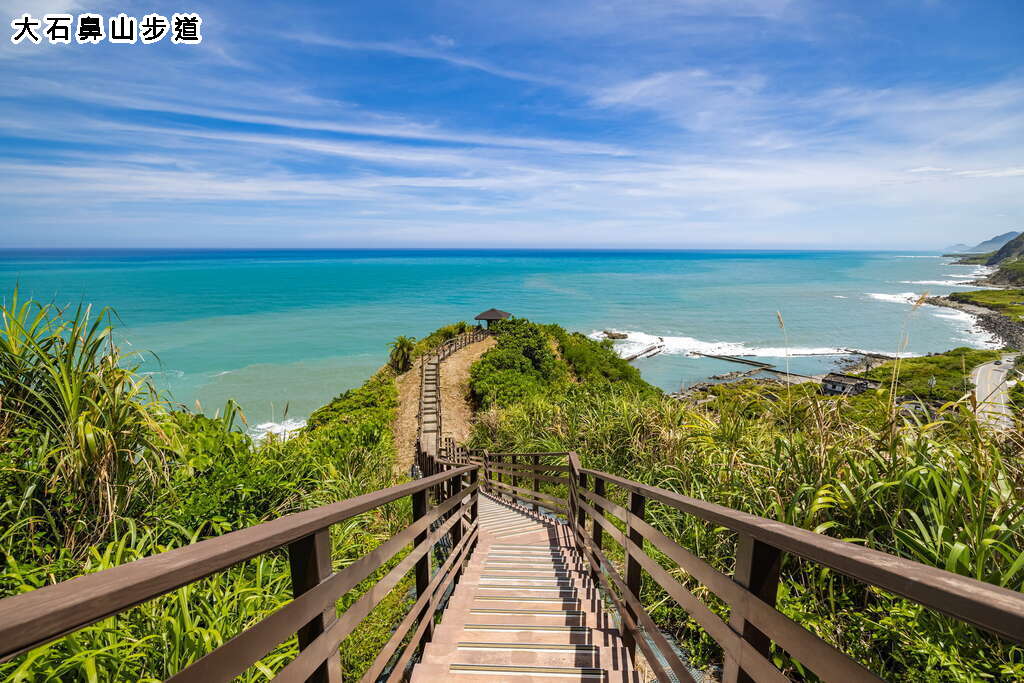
x=534, y=123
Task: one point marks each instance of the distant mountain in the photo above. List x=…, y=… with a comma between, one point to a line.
x=957, y=249
x=996, y=242
x=1010, y=250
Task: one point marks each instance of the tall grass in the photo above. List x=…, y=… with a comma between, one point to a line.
x=97, y=470
x=85, y=430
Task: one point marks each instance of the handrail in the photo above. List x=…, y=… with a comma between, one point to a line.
x=32, y=619
x=751, y=591
x=985, y=605
x=433, y=442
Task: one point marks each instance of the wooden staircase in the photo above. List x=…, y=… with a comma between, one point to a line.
x=514, y=587
x=525, y=609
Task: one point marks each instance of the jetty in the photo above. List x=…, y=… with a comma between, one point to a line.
x=652, y=350
x=735, y=359
x=527, y=566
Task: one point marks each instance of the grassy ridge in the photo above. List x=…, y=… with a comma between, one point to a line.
x=1009, y=302
x=946, y=494
x=938, y=377
x=97, y=470
x=1009, y=272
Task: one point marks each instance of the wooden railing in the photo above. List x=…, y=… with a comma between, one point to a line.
x=33, y=619
x=560, y=484
x=430, y=427
x=449, y=347
x=444, y=506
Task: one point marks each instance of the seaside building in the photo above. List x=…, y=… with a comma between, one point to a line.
x=493, y=314
x=838, y=384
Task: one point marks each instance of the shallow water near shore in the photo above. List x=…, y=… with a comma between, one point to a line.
x=283, y=332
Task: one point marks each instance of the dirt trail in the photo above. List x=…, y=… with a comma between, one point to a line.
x=405, y=427
x=456, y=414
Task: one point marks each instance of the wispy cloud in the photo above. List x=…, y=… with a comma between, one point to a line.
x=419, y=52
x=484, y=132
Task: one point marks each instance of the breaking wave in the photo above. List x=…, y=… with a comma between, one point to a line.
x=283, y=430
x=638, y=341
x=972, y=334
x=901, y=298
x=941, y=283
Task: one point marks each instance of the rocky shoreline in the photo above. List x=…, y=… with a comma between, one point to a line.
x=1009, y=332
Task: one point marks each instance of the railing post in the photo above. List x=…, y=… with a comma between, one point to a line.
x=581, y=516
x=513, y=478
x=757, y=570
x=634, y=578
x=310, y=562
x=474, y=505
x=419, y=510
x=456, y=490
x=597, y=533
x=536, y=482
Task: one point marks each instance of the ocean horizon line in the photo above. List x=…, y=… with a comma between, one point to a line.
x=515, y=250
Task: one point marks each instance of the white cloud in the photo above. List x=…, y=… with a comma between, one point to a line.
x=417, y=52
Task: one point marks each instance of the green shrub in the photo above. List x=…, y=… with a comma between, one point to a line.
x=74, y=421
x=945, y=493
x=1009, y=302
x=939, y=377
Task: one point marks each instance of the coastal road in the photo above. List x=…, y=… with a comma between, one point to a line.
x=992, y=392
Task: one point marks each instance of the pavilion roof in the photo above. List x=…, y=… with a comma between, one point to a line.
x=493, y=314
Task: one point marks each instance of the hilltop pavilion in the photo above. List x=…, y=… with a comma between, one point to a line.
x=493, y=314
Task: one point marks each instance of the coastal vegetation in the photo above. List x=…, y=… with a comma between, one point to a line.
x=1009, y=273
x=1005, y=252
x=972, y=259
x=1013, y=249
x=98, y=469
x=936, y=377
x=400, y=358
x=942, y=492
x=1009, y=302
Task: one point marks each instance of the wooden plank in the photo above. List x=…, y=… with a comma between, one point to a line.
x=708, y=620
x=534, y=476
x=596, y=531
x=528, y=495
x=827, y=662
x=634, y=577
x=440, y=583
x=327, y=643
x=32, y=619
x=987, y=606
x=639, y=622
x=757, y=569
x=239, y=653
x=310, y=561
x=419, y=511
x=526, y=455
x=527, y=467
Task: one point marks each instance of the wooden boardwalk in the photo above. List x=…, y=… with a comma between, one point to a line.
x=525, y=609
x=535, y=565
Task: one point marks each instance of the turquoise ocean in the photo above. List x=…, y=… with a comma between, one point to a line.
x=282, y=332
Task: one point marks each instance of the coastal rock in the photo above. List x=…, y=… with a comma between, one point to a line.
x=608, y=334
x=1009, y=332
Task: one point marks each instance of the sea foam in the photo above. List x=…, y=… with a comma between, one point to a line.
x=901, y=298
x=638, y=341
x=941, y=283
x=283, y=430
